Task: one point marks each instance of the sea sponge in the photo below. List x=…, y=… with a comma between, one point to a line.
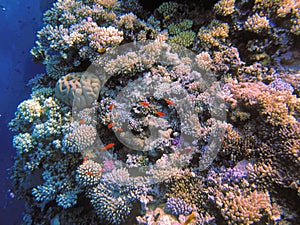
x=78, y=89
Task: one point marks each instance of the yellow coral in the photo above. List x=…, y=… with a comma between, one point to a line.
x=240, y=206
x=127, y=20
x=279, y=107
x=107, y=3
x=214, y=35
x=257, y=24
x=225, y=7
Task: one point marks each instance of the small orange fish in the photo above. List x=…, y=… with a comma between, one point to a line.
x=89, y=173
x=191, y=218
x=108, y=146
x=167, y=17
x=160, y=113
x=111, y=106
x=81, y=121
x=169, y=102
x=110, y=125
x=85, y=159
x=101, y=50
x=146, y=104
x=118, y=129
x=186, y=150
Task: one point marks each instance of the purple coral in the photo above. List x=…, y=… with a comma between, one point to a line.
x=281, y=85
x=177, y=206
x=108, y=165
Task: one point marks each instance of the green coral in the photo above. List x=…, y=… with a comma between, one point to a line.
x=167, y=9
x=184, y=25
x=185, y=38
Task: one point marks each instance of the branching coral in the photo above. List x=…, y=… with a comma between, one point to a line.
x=80, y=138
x=246, y=208
x=213, y=36
x=177, y=206
x=88, y=173
x=225, y=7
x=257, y=24
x=112, y=204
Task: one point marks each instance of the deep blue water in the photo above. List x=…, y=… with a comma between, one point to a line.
x=19, y=21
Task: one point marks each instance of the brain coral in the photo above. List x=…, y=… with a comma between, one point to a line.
x=78, y=89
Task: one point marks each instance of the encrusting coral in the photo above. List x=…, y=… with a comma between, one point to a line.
x=185, y=113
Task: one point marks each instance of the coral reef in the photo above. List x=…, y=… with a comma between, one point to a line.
x=185, y=112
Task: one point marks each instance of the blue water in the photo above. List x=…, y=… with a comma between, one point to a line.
x=19, y=21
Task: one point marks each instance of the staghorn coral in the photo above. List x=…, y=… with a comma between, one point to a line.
x=278, y=131
x=76, y=31
x=184, y=38
x=167, y=9
x=277, y=107
x=103, y=37
x=128, y=21
x=184, y=25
